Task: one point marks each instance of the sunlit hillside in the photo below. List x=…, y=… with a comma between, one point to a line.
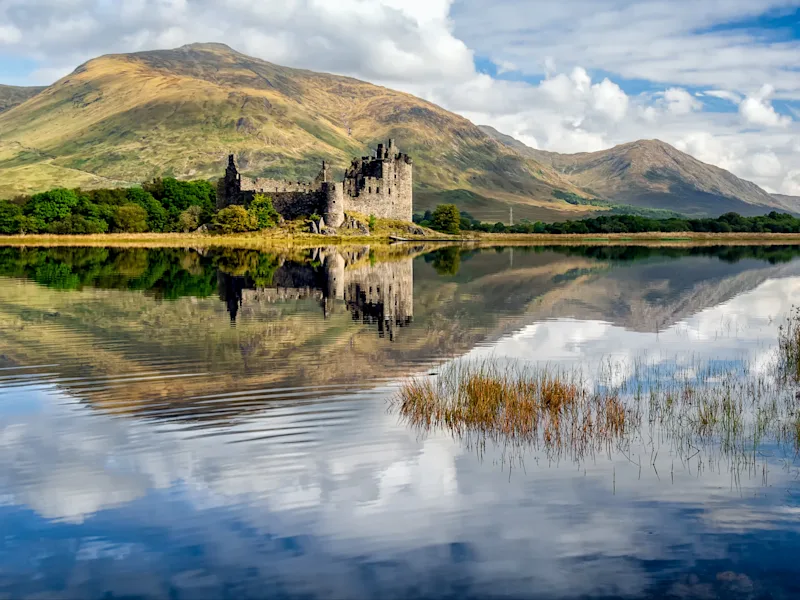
x=123, y=119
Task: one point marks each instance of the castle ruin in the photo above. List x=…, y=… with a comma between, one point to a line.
x=379, y=185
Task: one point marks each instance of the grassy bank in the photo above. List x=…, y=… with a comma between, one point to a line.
x=284, y=239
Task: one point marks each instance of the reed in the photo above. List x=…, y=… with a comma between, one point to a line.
x=789, y=347
x=720, y=408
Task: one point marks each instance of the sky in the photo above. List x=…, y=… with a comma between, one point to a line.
x=719, y=79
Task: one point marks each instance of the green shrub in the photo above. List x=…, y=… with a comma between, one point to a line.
x=9, y=217
x=372, y=222
x=189, y=220
x=77, y=224
x=446, y=218
x=156, y=213
x=235, y=219
x=50, y=206
x=130, y=218
x=264, y=212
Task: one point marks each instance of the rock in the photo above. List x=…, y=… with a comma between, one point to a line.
x=314, y=228
x=321, y=225
x=329, y=231
x=202, y=229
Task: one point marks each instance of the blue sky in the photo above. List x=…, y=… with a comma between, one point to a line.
x=719, y=79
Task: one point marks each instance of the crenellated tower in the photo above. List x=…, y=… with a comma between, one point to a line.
x=381, y=185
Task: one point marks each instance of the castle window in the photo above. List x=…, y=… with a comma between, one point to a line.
x=377, y=190
x=370, y=189
x=390, y=191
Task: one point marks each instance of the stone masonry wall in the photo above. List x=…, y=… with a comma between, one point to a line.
x=379, y=185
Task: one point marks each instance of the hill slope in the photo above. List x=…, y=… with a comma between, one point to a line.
x=790, y=203
x=128, y=118
x=11, y=96
x=653, y=174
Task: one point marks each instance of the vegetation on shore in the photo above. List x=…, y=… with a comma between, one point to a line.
x=455, y=222
x=168, y=212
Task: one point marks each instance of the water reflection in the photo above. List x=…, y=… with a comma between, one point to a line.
x=148, y=448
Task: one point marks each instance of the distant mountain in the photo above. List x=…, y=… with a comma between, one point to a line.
x=790, y=203
x=130, y=117
x=653, y=174
x=11, y=96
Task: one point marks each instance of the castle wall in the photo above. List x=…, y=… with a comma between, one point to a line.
x=271, y=186
x=292, y=205
x=380, y=187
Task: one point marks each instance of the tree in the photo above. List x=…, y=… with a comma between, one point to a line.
x=446, y=218
x=9, y=218
x=130, y=218
x=176, y=196
x=78, y=224
x=189, y=220
x=264, y=212
x=235, y=219
x=156, y=213
x=50, y=206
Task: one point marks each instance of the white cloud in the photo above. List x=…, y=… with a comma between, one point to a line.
x=758, y=110
x=678, y=101
x=724, y=95
x=427, y=47
x=791, y=183
x=9, y=34
x=766, y=164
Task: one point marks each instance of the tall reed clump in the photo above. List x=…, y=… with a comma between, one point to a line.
x=515, y=403
x=722, y=407
x=789, y=347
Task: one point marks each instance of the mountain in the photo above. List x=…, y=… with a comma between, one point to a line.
x=790, y=203
x=653, y=174
x=11, y=96
x=123, y=119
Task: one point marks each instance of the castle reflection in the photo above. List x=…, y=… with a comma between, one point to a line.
x=376, y=294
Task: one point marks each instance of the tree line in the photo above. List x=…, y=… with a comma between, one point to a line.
x=162, y=205
x=448, y=219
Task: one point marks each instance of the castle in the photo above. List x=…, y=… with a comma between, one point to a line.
x=379, y=185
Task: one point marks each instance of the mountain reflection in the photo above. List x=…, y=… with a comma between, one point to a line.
x=152, y=326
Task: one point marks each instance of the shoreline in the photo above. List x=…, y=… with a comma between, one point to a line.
x=299, y=241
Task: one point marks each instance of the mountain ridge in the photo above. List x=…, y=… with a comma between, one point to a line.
x=130, y=117
x=13, y=95
x=651, y=173
x=122, y=119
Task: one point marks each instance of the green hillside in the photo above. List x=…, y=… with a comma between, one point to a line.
x=124, y=119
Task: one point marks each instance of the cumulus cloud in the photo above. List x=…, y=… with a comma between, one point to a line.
x=758, y=110
x=791, y=184
x=724, y=95
x=678, y=101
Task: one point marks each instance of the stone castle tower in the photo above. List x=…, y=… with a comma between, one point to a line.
x=379, y=185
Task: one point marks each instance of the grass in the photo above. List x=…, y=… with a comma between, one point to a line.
x=724, y=408
x=296, y=237
x=789, y=347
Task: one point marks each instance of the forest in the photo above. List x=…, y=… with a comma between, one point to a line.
x=447, y=219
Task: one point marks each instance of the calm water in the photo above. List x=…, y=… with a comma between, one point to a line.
x=216, y=424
